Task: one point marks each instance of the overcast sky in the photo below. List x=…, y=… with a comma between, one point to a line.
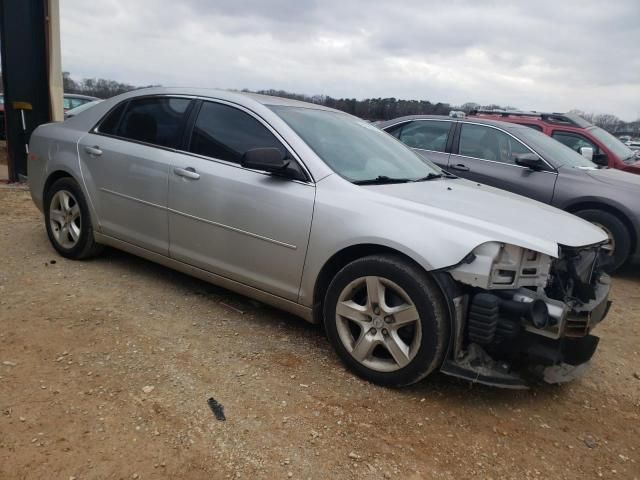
x=539, y=54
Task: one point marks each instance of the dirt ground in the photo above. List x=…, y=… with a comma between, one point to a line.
x=106, y=367
x=4, y=171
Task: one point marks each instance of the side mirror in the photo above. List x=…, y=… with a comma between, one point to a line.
x=530, y=160
x=266, y=159
x=601, y=159
x=587, y=152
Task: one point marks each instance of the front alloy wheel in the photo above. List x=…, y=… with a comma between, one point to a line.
x=387, y=319
x=378, y=324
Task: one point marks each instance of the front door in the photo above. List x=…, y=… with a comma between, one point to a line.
x=245, y=225
x=486, y=155
x=125, y=163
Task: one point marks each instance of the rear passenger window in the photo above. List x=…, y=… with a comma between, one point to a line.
x=110, y=123
x=225, y=133
x=151, y=120
x=426, y=135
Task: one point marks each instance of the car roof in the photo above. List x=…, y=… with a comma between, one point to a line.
x=482, y=121
x=78, y=95
x=564, y=120
x=228, y=95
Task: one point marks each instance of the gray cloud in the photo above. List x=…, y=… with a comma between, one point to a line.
x=541, y=55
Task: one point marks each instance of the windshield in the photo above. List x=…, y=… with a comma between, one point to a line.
x=355, y=149
x=618, y=148
x=554, y=152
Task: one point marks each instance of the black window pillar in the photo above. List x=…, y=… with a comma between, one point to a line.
x=23, y=34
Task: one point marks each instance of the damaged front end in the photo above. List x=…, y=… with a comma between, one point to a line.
x=522, y=315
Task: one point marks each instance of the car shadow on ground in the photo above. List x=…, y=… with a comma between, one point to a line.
x=457, y=391
x=628, y=272
x=188, y=285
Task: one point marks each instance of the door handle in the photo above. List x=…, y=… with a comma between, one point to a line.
x=460, y=167
x=93, y=151
x=188, y=172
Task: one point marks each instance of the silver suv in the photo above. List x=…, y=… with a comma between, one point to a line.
x=324, y=215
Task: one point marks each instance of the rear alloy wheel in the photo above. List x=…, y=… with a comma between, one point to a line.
x=386, y=319
x=619, y=245
x=65, y=219
x=68, y=222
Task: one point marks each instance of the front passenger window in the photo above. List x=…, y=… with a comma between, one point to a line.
x=225, y=133
x=426, y=135
x=575, y=142
x=487, y=143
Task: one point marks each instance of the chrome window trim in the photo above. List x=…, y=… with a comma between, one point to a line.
x=420, y=120
x=553, y=169
x=264, y=123
x=95, y=130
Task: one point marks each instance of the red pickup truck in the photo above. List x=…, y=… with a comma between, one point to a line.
x=575, y=132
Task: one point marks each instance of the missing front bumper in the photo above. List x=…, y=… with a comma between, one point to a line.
x=540, y=359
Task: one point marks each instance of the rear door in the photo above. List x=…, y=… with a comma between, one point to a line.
x=242, y=224
x=428, y=138
x=486, y=154
x=125, y=164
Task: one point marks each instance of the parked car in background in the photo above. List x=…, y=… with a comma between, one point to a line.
x=326, y=216
x=523, y=160
x=75, y=111
x=575, y=132
x=73, y=100
x=633, y=145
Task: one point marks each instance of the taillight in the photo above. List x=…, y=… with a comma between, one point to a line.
x=32, y=156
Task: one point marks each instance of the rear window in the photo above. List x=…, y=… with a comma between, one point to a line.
x=155, y=120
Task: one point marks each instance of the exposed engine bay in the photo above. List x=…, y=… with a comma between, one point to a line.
x=522, y=315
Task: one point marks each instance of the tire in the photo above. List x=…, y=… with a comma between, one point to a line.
x=617, y=231
x=68, y=221
x=384, y=345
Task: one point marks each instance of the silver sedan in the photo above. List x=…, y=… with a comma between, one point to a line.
x=409, y=269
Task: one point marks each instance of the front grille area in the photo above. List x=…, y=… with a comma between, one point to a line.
x=577, y=325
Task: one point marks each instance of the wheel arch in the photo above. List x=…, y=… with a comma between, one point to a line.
x=59, y=173
x=348, y=254
x=54, y=177
x=613, y=210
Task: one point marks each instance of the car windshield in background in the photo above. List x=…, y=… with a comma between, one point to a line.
x=355, y=149
x=619, y=149
x=556, y=153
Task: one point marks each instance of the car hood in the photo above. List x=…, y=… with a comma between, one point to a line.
x=617, y=178
x=495, y=214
